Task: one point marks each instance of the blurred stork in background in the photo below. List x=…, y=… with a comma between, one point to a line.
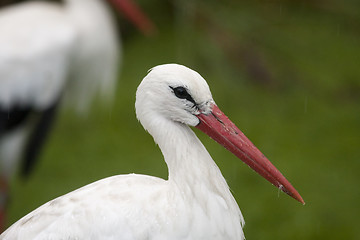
x=50, y=51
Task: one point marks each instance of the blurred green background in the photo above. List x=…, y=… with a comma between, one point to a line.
x=286, y=72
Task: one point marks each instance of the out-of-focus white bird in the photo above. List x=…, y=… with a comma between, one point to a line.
x=194, y=203
x=48, y=50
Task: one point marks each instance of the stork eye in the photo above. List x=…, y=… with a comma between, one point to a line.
x=182, y=93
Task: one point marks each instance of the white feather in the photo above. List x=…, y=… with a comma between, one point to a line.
x=46, y=46
x=35, y=49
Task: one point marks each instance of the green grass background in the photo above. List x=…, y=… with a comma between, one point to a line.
x=286, y=72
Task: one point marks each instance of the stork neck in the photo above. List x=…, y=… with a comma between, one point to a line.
x=187, y=159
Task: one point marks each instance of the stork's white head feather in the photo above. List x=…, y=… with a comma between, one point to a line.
x=158, y=91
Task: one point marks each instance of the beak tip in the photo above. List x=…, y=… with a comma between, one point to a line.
x=300, y=200
x=297, y=197
x=292, y=193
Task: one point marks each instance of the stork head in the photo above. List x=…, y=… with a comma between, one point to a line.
x=175, y=92
x=180, y=94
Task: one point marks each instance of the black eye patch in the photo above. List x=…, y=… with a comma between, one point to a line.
x=182, y=93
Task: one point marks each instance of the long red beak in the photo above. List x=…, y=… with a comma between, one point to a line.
x=134, y=14
x=219, y=127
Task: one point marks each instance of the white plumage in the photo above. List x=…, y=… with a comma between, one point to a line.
x=44, y=46
x=194, y=203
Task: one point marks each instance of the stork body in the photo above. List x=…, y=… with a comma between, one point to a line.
x=195, y=201
x=134, y=207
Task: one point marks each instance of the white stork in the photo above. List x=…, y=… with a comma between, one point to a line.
x=194, y=203
x=48, y=50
